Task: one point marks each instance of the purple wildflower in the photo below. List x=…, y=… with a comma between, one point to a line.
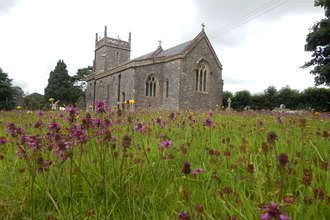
x=184, y=215
x=54, y=126
x=149, y=105
x=197, y=171
x=207, y=122
x=186, y=168
x=166, y=143
x=283, y=159
x=101, y=106
x=3, y=140
x=272, y=212
x=140, y=126
x=40, y=113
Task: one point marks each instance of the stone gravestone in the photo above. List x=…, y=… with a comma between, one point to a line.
x=229, y=103
x=19, y=101
x=81, y=103
x=282, y=106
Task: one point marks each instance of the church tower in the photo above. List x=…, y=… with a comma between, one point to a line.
x=110, y=52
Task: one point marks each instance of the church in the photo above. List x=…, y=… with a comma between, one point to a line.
x=186, y=76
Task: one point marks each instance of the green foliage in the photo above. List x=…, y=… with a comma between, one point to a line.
x=317, y=98
x=271, y=98
x=290, y=98
x=33, y=101
x=241, y=100
x=59, y=85
x=318, y=42
x=7, y=93
x=78, y=82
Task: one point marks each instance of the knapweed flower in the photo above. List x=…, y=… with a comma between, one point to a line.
x=283, y=159
x=3, y=140
x=184, y=215
x=271, y=137
x=271, y=212
x=40, y=113
x=100, y=106
x=207, y=122
x=197, y=171
x=140, y=126
x=149, y=105
x=166, y=143
x=186, y=168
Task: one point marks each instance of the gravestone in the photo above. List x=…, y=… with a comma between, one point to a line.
x=229, y=103
x=81, y=103
x=19, y=101
x=282, y=106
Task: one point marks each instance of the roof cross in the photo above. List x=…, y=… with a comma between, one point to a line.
x=203, y=25
x=160, y=43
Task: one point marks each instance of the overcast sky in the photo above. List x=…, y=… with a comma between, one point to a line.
x=259, y=42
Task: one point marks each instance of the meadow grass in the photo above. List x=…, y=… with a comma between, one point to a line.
x=148, y=164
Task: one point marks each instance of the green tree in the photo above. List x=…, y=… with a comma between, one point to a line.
x=317, y=99
x=7, y=93
x=78, y=82
x=59, y=86
x=318, y=41
x=290, y=98
x=34, y=101
x=271, y=98
x=241, y=100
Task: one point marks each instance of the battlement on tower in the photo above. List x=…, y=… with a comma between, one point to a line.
x=112, y=42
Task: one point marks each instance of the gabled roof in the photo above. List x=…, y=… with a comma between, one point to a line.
x=168, y=52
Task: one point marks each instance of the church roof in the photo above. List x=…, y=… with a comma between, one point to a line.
x=168, y=52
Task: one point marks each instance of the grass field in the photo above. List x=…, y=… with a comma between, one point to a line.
x=147, y=164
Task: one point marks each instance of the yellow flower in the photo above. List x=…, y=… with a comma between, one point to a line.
x=51, y=99
x=222, y=106
x=90, y=106
x=131, y=101
x=216, y=105
x=114, y=106
x=18, y=107
x=125, y=102
x=77, y=116
x=316, y=113
x=260, y=150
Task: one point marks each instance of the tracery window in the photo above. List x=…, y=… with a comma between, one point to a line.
x=202, y=72
x=151, y=86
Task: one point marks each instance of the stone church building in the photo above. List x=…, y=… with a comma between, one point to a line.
x=186, y=76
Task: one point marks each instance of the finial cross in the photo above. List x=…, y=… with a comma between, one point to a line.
x=160, y=43
x=203, y=25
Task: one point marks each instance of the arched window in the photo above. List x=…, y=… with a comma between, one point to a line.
x=151, y=86
x=166, y=88
x=202, y=72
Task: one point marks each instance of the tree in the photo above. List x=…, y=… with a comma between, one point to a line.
x=290, y=98
x=34, y=101
x=6, y=91
x=241, y=99
x=271, y=98
x=78, y=82
x=59, y=85
x=318, y=41
x=317, y=98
